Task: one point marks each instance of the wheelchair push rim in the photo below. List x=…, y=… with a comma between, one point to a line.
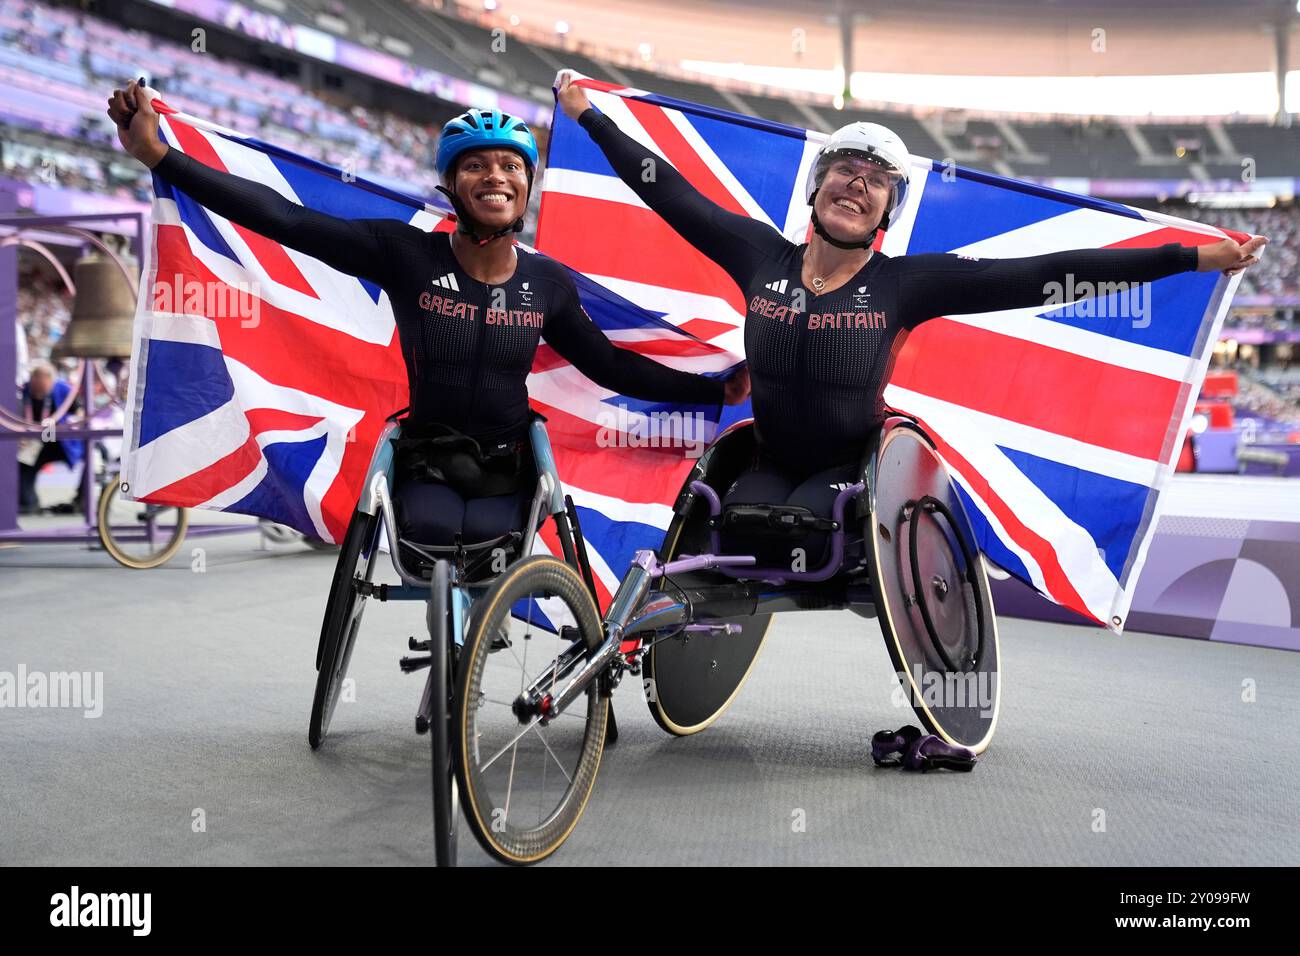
x=137, y=535
x=446, y=803
x=932, y=593
x=524, y=784
x=342, y=621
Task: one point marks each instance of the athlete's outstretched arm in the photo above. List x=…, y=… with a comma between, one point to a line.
x=570, y=331
x=934, y=284
x=360, y=247
x=735, y=242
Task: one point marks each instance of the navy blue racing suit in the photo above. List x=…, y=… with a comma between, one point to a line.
x=468, y=346
x=819, y=363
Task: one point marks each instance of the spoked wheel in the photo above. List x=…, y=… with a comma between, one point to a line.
x=135, y=534
x=342, y=620
x=932, y=593
x=690, y=681
x=437, y=699
x=524, y=783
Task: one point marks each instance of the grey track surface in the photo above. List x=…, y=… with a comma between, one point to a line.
x=208, y=680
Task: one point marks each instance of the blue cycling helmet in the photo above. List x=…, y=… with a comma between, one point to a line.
x=484, y=129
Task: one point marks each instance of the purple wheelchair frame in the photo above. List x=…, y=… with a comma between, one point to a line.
x=829, y=568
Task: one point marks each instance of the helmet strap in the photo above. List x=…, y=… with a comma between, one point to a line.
x=463, y=219
x=838, y=243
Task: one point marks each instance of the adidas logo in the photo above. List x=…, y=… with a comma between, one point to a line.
x=448, y=282
x=841, y=485
x=777, y=286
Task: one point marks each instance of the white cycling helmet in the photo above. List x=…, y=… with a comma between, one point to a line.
x=875, y=143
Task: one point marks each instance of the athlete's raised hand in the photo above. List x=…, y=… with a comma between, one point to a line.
x=1229, y=256
x=137, y=123
x=573, y=99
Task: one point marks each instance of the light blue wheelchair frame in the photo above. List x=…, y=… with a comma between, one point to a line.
x=453, y=574
x=377, y=498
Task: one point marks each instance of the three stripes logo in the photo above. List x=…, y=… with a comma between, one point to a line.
x=447, y=282
x=778, y=286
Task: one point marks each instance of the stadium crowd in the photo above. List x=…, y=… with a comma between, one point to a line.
x=56, y=62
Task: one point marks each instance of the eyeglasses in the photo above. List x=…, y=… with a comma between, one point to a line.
x=842, y=172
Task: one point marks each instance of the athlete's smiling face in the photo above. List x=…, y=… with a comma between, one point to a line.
x=493, y=185
x=852, y=197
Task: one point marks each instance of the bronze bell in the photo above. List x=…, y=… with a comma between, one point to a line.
x=102, y=314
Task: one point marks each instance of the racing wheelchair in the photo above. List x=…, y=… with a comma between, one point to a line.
x=451, y=579
x=691, y=620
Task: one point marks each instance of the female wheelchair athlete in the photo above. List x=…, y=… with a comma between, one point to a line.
x=451, y=579
x=693, y=620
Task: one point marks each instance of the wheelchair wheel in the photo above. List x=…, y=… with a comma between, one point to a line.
x=343, y=612
x=138, y=535
x=446, y=805
x=932, y=592
x=690, y=681
x=524, y=786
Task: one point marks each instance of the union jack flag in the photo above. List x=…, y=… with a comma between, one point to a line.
x=262, y=377
x=1060, y=425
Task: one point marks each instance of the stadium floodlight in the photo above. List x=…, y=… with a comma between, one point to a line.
x=562, y=27
x=489, y=5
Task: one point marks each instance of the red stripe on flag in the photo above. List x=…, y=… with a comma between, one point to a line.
x=638, y=475
x=338, y=503
x=272, y=256
x=277, y=419
x=549, y=535
x=1185, y=237
x=603, y=86
x=706, y=329
x=1081, y=398
x=195, y=145
x=275, y=344
x=682, y=155
x=275, y=260
x=208, y=482
x=649, y=251
x=1054, y=576
x=352, y=373
x=1163, y=236
x=546, y=359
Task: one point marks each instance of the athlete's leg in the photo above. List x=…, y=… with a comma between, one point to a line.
x=487, y=518
x=428, y=512
x=763, y=483
x=817, y=493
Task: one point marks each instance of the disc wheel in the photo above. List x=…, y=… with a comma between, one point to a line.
x=343, y=611
x=524, y=783
x=135, y=534
x=690, y=681
x=932, y=593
